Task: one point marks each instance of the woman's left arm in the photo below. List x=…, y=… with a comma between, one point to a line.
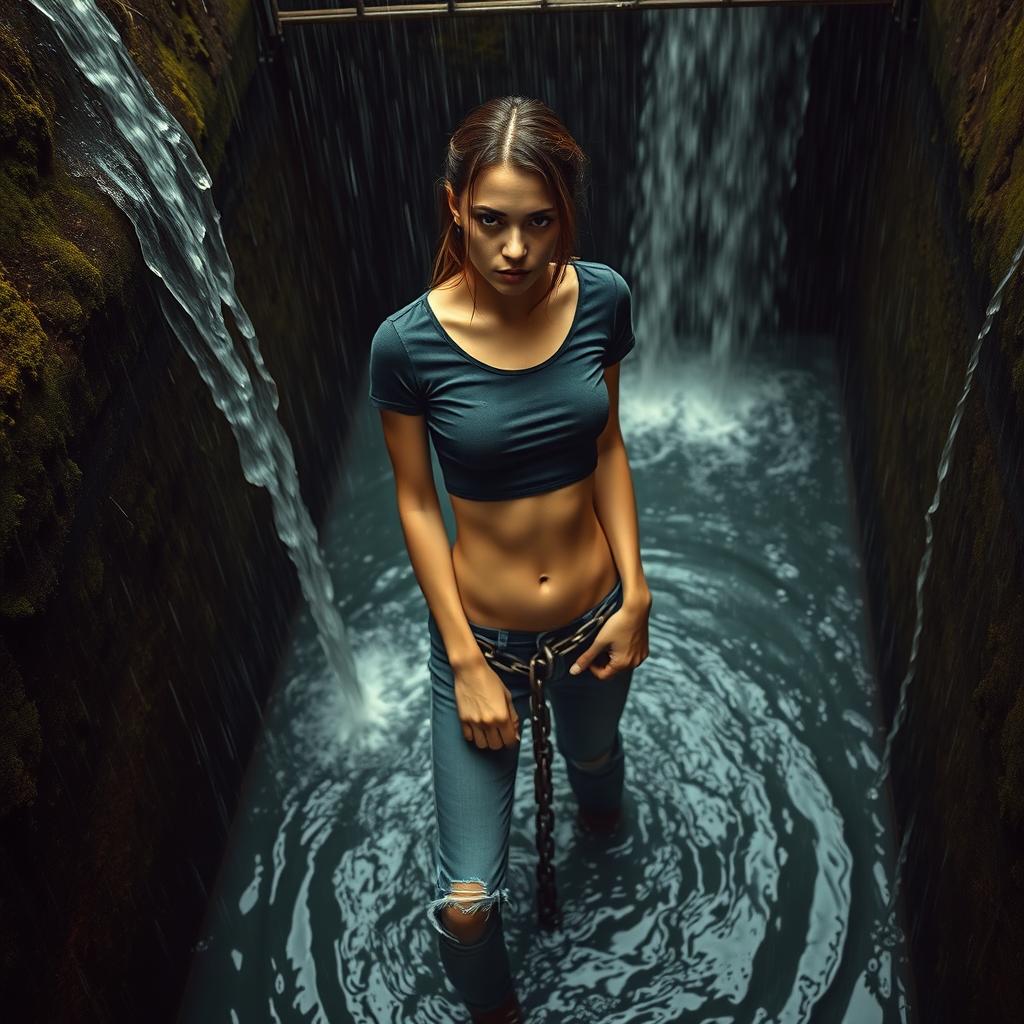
x=625, y=633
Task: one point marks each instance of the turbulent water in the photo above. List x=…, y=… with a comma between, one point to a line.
x=752, y=881
x=142, y=158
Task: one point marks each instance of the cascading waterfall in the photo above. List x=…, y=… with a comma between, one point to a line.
x=719, y=127
x=145, y=161
x=721, y=118
x=926, y=559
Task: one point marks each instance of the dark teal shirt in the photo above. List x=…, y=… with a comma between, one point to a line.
x=504, y=434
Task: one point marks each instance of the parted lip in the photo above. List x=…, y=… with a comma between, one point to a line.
x=510, y=271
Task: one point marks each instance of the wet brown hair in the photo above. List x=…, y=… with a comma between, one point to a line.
x=519, y=132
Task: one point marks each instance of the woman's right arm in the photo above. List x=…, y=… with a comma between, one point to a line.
x=485, y=705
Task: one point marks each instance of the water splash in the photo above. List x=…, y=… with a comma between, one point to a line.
x=926, y=559
x=143, y=159
x=888, y=938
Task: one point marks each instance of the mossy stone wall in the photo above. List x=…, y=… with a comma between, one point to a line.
x=144, y=596
x=911, y=182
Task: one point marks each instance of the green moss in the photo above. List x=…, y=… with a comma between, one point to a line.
x=15, y=208
x=60, y=258
x=69, y=270
x=102, y=231
x=75, y=287
x=38, y=480
x=21, y=354
x=975, y=51
x=70, y=247
x=65, y=252
x=182, y=80
x=194, y=43
x=999, y=145
x=24, y=125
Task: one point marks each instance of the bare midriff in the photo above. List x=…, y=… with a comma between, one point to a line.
x=532, y=563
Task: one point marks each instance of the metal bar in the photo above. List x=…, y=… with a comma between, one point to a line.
x=469, y=8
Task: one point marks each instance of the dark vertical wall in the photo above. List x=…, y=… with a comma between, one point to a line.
x=144, y=595
x=908, y=206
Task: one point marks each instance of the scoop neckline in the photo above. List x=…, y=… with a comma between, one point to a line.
x=525, y=369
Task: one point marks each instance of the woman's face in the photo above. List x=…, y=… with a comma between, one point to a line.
x=512, y=224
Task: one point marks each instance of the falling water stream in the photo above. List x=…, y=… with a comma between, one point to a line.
x=889, y=932
x=712, y=173
x=143, y=159
x=926, y=558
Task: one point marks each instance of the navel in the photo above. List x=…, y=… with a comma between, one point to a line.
x=544, y=579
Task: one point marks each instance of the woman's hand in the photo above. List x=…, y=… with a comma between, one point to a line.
x=620, y=643
x=485, y=707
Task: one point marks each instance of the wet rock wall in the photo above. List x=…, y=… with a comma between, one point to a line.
x=910, y=200
x=144, y=596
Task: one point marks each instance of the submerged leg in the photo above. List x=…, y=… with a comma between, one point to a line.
x=587, y=712
x=471, y=943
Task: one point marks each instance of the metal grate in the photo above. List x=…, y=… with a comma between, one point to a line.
x=475, y=8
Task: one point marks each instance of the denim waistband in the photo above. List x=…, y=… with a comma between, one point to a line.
x=525, y=638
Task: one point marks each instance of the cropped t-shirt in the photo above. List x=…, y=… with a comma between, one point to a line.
x=503, y=434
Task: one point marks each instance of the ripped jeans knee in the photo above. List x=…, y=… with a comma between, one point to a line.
x=460, y=899
x=475, y=961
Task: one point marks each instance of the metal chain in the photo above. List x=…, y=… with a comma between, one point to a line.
x=549, y=915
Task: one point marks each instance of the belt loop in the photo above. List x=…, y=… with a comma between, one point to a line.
x=502, y=638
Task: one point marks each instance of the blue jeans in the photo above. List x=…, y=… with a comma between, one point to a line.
x=473, y=788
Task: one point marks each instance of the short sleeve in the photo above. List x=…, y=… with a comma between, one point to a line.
x=622, y=338
x=393, y=382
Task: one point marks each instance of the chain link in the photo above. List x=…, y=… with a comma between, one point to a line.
x=539, y=669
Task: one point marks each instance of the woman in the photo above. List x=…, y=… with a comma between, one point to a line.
x=510, y=360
